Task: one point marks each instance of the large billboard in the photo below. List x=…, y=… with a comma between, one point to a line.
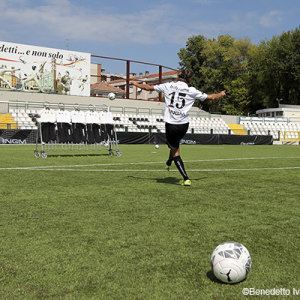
x=45, y=70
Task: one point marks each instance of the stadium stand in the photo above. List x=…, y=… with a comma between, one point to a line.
x=274, y=127
x=132, y=122
x=135, y=121
x=237, y=129
x=22, y=118
x=7, y=122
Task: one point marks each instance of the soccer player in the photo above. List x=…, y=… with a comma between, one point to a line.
x=179, y=98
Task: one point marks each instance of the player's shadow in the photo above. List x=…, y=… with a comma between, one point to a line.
x=165, y=180
x=168, y=180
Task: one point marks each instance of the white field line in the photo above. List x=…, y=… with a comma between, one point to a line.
x=69, y=167
x=150, y=162
x=140, y=170
x=16, y=149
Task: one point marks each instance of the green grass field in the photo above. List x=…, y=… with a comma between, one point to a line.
x=102, y=227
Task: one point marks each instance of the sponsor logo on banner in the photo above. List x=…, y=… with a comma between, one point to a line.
x=188, y=142
x=12, y=141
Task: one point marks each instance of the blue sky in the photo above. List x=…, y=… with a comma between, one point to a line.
x=151, y=31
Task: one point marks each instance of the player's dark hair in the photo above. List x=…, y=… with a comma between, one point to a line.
x=185, y=74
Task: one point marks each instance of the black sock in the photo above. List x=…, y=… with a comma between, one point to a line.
x=180, y=166
x=169, y=161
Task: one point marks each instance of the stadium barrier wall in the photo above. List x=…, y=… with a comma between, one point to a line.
x=195, y=139
x=23, y=136
x=15, y=136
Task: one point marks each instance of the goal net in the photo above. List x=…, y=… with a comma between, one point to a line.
x=290, y=136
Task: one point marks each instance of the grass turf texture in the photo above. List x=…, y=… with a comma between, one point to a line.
x=81, y=233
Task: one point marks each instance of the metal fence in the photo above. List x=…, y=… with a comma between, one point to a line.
x=127, y=66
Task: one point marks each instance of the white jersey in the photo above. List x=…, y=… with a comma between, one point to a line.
x=47, y=116
x=63, y=116
x=106, y=117
x=92, y=117
x=179, y=98
x=78, y=116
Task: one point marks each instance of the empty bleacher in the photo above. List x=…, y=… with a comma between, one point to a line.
x=208, y=125
x=22, y=118
x=155, y=123
x=152, y=121
x=132, y=122
x=275, y=127
x=237, y=129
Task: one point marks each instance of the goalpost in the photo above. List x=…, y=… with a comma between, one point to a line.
x=290, y=136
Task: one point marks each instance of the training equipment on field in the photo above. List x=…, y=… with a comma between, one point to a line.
x=230, y=262
x=156, y=146
x=111, y=96
x=88, y=130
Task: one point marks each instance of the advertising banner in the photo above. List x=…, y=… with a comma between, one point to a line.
x=45, y=70
x=195, y=139
x=9, y=136
x=21, y=137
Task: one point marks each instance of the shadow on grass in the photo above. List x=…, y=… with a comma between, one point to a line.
x=213, y=278
x=166, y=180
x=210, y=275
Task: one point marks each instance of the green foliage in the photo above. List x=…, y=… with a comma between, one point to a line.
x=217, y=65
x=71, y=230
x=192, y=58
x=254, y=76
x=237, y=100
x=277, y=66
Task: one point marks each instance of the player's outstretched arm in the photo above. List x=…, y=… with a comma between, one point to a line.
x=147, y=87
x=216, y=96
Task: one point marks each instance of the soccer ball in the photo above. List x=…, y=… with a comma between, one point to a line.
x=111, y=96
x=231, y=262
x=156, y=146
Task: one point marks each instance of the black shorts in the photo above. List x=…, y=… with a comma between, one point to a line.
x=48, y=132
x=64, y=132
x=174, y=133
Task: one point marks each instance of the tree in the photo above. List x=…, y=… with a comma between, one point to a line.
x=253, y=75
x=192, y=58
x=275, y=70
x=219, y=64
